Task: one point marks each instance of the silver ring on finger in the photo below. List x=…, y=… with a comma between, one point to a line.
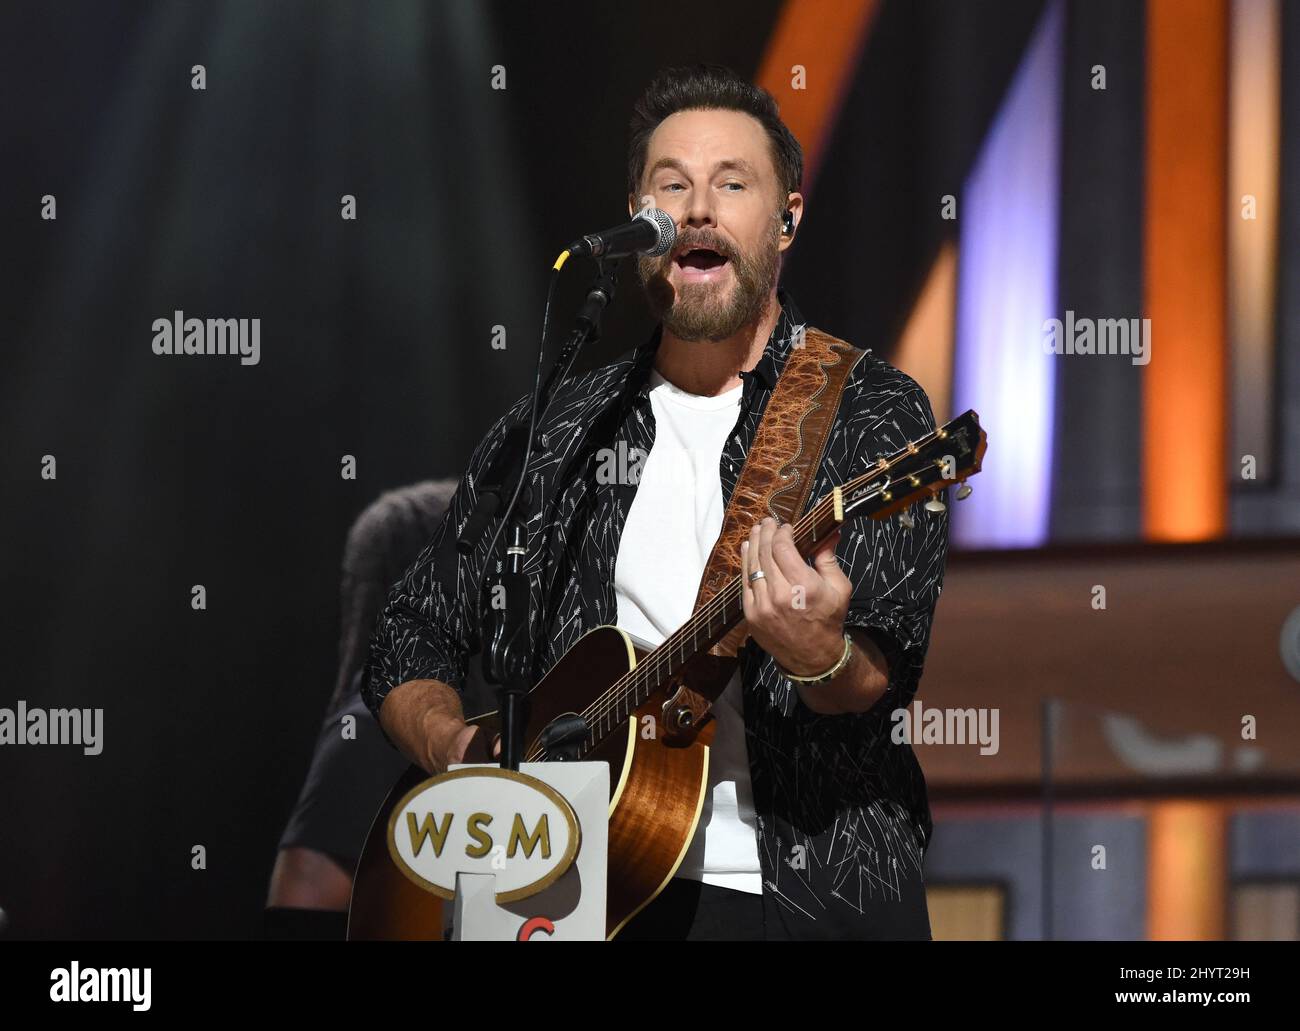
x=757, y=575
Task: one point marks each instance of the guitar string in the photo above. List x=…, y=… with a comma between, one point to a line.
x=612, y=699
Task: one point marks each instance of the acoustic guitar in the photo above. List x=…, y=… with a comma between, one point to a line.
x=609, y=699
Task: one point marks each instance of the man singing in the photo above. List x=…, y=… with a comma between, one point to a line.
x=814, y=823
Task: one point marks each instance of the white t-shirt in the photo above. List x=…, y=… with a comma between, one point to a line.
x=675, y=520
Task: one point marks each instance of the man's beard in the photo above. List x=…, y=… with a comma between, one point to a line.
x=712, y=311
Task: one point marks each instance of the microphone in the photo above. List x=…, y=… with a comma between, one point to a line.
x=652, y=232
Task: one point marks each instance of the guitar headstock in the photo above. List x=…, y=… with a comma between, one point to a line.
x=925, y=467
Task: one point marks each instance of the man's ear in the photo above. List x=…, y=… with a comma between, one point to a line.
x=794, y=205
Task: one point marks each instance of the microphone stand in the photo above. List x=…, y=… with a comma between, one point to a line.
x=507, y=657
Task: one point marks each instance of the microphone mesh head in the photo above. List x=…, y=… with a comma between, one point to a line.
x=667, y=231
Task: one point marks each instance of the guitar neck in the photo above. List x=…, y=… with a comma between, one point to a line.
x=709, y=625
x=923, y=469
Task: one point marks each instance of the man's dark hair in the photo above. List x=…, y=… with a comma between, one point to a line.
x=385, y=539
x=710, y=87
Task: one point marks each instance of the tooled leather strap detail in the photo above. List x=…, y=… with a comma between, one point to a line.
x=777, y=477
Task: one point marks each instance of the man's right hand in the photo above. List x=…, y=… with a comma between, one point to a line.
x=465, y=744
x=423, y=718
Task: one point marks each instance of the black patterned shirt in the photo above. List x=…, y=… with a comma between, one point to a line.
x=842, y=815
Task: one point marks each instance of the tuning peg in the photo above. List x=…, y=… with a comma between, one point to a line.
x=963, y=492
x=935, y=505
x=906, y=521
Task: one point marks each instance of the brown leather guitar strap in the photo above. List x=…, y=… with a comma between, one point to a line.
x=776, y=480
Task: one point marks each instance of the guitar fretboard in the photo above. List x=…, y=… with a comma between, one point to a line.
x=708, y=625
x=944, y=456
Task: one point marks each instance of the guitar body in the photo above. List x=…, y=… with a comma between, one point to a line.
x=657, y=790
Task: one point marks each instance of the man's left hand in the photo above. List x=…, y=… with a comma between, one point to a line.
x=795, y=612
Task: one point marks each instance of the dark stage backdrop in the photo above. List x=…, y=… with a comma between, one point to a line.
x=376, y=341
